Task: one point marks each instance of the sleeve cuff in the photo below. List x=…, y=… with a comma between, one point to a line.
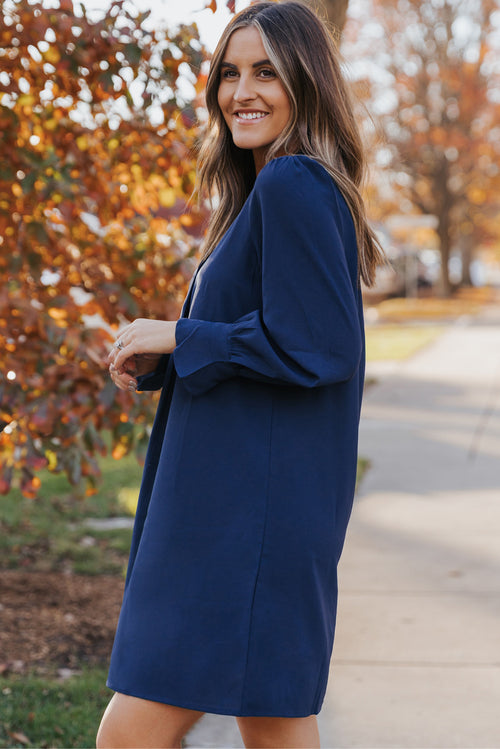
x=201, y=356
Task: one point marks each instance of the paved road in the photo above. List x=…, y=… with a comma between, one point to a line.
x=417, y=653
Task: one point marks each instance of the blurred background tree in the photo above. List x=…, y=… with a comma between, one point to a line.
x=96, y=168
x=334, y=10
x=434, y=83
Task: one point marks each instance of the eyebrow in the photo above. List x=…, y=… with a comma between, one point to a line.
x=235, y=67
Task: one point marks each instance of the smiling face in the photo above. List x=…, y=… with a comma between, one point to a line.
x=251, y=97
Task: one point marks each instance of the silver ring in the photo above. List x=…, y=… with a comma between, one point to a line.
x=118, y=344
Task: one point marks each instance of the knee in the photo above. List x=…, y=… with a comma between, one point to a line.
x=133, y=722
x=275, y=733
x=107, y=736
x=113, y=733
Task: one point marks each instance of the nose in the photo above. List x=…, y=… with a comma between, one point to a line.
x=245, y=90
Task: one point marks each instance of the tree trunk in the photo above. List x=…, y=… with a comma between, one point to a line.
x=445, y=248
x=336, y=11
x=467, y=253
x=444, y=234
x=443, y=202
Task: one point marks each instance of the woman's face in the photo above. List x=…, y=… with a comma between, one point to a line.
x=252, y=99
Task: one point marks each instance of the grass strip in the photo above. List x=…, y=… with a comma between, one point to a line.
x=49, y=533
x=43, y=712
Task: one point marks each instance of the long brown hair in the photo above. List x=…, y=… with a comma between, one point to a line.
x=322, y=123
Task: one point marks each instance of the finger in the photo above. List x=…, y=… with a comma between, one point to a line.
x=117, y=346
x=125, y=381
x=127, y=384
x=122, y=339
x=128, y=367
x=127, y=352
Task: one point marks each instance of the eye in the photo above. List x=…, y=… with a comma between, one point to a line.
x=267, y=73
x=228, y=73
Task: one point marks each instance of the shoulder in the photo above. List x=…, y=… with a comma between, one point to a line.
x=299, y=181
x=288, y=172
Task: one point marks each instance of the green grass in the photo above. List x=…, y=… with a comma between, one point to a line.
x=396, y=342
x=48, y=533
x=43, y=712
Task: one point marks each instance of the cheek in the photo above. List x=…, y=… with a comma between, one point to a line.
x=283, y=105
x=225, y=91
x=222, y=98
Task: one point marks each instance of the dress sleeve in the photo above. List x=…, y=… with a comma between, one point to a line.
x=308, y=332
x=154, y=380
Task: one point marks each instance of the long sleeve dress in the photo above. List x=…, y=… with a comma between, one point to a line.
x=231, y=591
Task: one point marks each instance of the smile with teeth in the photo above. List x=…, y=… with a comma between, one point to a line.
x=250, y=115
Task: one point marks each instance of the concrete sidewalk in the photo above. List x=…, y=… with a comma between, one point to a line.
x=417, y=654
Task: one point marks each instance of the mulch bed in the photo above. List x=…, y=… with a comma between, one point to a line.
x=56, y=620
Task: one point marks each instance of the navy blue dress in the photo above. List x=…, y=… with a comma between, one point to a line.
x=231, y=592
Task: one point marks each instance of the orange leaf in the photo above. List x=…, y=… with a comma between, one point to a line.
x=119, y=451
x=57, y=314
x=20, y=737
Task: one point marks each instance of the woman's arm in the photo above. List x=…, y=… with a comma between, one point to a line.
x=309, y=330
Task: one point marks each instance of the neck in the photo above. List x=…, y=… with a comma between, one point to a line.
x=259, y=159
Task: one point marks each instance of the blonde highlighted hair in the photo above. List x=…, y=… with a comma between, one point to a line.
x=322, y=124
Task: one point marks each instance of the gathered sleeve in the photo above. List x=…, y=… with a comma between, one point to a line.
x=307, y=331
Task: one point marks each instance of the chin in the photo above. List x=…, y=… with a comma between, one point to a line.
x=251, y=145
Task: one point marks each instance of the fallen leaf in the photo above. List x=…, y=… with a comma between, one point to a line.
x=20, y=737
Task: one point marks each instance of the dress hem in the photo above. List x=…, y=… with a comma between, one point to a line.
x=209, y=708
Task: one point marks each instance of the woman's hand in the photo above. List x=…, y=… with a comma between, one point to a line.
x=123, y=381
x=137, y=365
x=138, y=350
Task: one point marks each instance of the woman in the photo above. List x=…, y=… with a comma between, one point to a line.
x=231, y=592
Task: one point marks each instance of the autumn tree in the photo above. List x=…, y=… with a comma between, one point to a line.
x=435, y=82
x=96, y=167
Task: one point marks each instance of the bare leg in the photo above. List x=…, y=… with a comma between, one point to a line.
x=131, y=722
x=279, y=733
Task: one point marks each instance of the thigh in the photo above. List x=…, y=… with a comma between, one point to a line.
x=279, y=733
x=133, y=722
